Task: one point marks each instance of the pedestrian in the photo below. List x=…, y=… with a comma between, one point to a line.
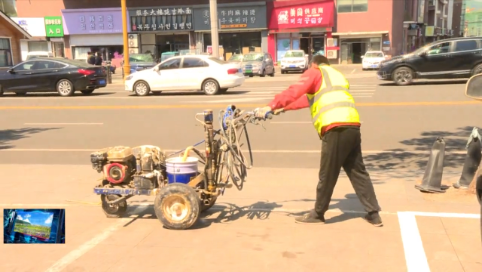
x=98, y=59
x=325, y=91
x=91, y=58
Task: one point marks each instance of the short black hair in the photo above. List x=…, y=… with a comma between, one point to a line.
x=320, y=59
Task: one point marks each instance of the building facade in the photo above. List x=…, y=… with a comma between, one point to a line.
x=10, y=36
x=301, y=25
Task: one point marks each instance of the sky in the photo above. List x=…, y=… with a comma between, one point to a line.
x=36, y=217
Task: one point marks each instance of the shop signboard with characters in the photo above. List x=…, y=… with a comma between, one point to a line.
x=315, y=15
x=252, y=16
x=161, y=19
x=92, y=21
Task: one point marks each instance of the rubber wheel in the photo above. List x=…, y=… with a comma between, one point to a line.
x=141, y=88
x=87, y=91
x=263, y=74
x=272, y=74
x=283, y=72
x=477, y=70
x=65, y=87
x=403, y=76
x=210, y=87
x=113, y=210
x=177, y=206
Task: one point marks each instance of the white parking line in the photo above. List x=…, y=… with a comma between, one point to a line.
x=84, y=248
x=62, y=124
x=412, y=243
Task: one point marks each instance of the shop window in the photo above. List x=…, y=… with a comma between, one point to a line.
x=80, y=53
x=38, y=46
x=5, y=53
x=352, y=6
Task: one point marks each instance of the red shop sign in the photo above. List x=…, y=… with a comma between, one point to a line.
x=303, y=16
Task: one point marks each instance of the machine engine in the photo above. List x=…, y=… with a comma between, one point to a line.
x=141, y=167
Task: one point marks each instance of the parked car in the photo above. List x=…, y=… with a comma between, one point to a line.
x=168, y=55
x=372, y=60
x=193, y=72
x=258, y=64
x=39, y=54
x=52, y=75
x=449, y=58
x=139, y=62
x=237, y=58
x=294, y=60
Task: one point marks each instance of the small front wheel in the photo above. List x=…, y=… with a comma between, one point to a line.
x=477, y=70
x=113, y=210
x=210, y=87
x=403, y=76
x=177, y=206
x=141, y=88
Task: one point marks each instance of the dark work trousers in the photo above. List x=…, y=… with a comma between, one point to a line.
x=341, y=147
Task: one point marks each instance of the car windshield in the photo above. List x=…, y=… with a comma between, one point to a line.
x=374, y=55
x=253, y=57
x=141, y=58
x=294, y=54
x=236, y=57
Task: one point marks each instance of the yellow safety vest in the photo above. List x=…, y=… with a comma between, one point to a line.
x=332, y=103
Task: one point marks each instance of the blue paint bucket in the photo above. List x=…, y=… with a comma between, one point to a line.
x=181, y=172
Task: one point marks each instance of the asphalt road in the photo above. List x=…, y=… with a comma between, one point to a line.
x=403, y=119
x=45, y=142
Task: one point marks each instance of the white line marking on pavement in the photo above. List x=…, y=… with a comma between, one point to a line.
x=61, y=124
x=254, y=151
x=77, y=253
x=353, y=71
x=448, y=215
x=412, y=243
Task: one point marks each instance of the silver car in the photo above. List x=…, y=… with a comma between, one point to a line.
x=258, y=64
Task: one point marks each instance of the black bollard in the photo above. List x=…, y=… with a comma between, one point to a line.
x=472, y=160
x=432, y=179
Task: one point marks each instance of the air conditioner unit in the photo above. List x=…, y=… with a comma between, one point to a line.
x=332, y=54
x=133, y=40
x=133, y=50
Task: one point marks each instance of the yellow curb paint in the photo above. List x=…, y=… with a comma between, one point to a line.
x=204, y=106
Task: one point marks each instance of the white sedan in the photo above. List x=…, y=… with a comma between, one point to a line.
x=189, y=72
x=372, y=60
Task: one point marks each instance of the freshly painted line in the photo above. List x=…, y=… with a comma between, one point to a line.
x=202, y=106
x=78, y=252
x=412, y=243
x=448, y=215
x=254, y=151
x=60, y=124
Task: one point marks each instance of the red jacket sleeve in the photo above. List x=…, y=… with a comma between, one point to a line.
x=295, y=96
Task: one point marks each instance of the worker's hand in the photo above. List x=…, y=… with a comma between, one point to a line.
x=276, y=112
x=261, y=112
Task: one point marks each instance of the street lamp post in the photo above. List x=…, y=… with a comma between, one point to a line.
x=213, y=10
x=127, y=66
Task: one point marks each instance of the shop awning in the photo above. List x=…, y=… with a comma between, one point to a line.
x=368, y=33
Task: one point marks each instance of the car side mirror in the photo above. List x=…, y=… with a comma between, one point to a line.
x=473, y=87
x=11, y=71
x=156, y=69
x=362, y=57
x=423, y=54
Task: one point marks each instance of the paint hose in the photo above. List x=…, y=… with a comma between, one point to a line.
x=186, y=153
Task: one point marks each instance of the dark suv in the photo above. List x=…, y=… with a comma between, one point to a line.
x=449, y=58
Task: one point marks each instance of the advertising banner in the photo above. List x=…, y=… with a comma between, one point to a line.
x=303, y=16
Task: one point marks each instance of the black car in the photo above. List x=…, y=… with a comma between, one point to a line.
x=444, y=59
x=52, y=75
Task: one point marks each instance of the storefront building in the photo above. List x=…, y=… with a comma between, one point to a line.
x=10, y=36
x=364, y=25
x=301, y=25
x=156, y=30
x=36, y=28
x=242, y=28
x=54, y=29
x=93, y=30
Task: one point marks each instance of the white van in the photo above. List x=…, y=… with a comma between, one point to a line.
x=36, y=54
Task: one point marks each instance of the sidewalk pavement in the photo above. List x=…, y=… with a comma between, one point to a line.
x=251, y=229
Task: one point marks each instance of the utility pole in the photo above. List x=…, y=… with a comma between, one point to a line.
x=213, y=10
x=127, y=66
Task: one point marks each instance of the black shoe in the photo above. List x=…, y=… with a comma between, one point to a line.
x=310, y=217
x=374, y=219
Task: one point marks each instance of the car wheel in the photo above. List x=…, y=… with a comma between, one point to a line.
x=283, y=72
x=477, y=70
x=223, y=91
x=141, y=88
x=403, y=76
x=263, y=74
x=65, y=87
x=87, y=91
x=210, y=87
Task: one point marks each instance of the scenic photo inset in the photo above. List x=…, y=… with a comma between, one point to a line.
x=36, y=223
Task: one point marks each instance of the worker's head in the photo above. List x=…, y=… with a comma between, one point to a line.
x=318, y=60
